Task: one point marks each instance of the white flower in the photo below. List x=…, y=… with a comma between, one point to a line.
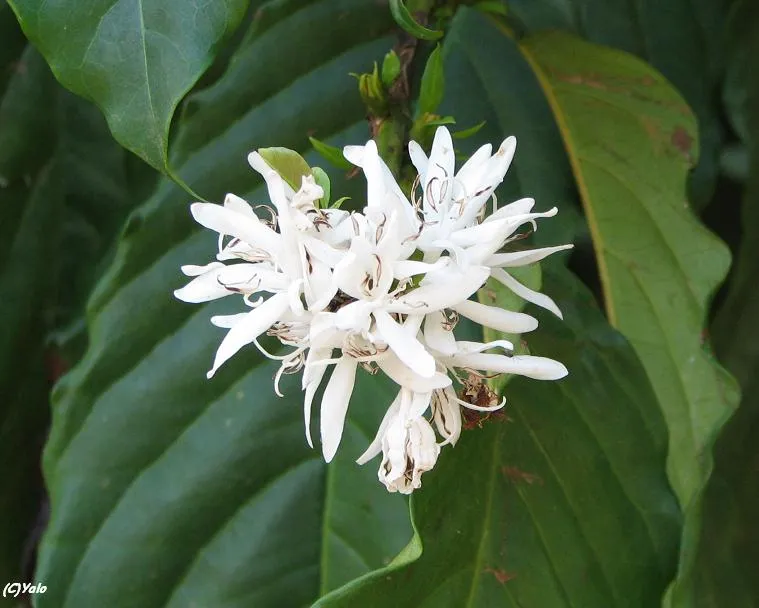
x=381, y=290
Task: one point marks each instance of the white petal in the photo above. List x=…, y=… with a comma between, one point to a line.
x=256, y=322
x=442, y=159
x=405, y=345
x=204, y=288
x=465, y=347
x=523, y=258
x=404, y=376
x=496, y=318
x=335, y=405
x=238, y=204
x=539, y=368
x=525, y=292
x=418, y=158
x=470, y=173
x=520, y=207
x=375, y=179
x=354, y=154
x=480, y=233
x=375, y=447
x=436, y=336
x=250, y=278
x=228, y=321
x=238, y=225
x=440, y=294
x=312, y=377
x=403, y=269
x=192, y=270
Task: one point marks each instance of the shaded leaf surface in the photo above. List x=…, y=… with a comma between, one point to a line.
x=681, y=38
x=135, y=59
x=631, y=140
x=563, y=503
x=208, y=489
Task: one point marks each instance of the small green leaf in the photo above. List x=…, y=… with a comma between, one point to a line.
x=331, y=153
x=391, y=68
x=288, y=163
x=322, y=179
x=464, y=133
x=339, y=202
x=407, y=22
x=433, y=84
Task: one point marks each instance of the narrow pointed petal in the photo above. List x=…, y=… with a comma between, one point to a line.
x=191, y=270
x=256, y=322
x=523, y=258
x=405, y=345
x=442, y=160
x=496, y=318
x=440, y=294
x=497, y=231
x=526, y=293
x=404, y=376
x=470, y=173
x=204, y=288
x=418, y=158
x=228, y=321
x=403, y=269
x=520, y=207
x=375, y=447
x=238, y=204
x=465, y=347
x=238, y=225
x=335, y=405
x=539, y=368
x=436, y=336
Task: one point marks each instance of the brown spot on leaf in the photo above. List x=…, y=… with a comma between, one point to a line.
x=682, y=140
x=501, y=575
x=516, y=474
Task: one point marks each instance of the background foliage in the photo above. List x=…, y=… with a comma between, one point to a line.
x=633, y=482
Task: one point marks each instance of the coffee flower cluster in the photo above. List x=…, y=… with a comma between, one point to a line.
x=382, y=290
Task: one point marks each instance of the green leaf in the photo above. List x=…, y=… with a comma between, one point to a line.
x=288, y=163
x=464, y=133
x=432, y=85
x=134, y=60
x=181, y=472
x=683, y=39
x=632, y=140
x=322, y=179
x=331, y=153
x=562, y=503
x=407, y=22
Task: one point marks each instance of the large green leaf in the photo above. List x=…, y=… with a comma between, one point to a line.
x=169, y=489
x=62, y=200
x=562, y=503
x=681, y=38
x=134, y=59
x=631, y=140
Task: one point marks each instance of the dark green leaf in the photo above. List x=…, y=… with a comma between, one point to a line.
x=330, y=153
x=464, y=133
x=632, y=140
x=433, y=84
x=185, y=475
x=519, y=512
x=407, y=22
x=683, y=39
x=134, y=60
